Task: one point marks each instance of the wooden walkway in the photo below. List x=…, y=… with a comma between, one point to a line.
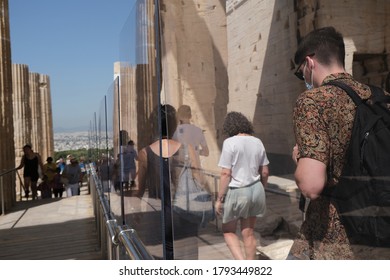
x=61, y=229
x=50, y=229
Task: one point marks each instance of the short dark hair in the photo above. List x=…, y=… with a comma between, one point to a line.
x=27, y=146
x=325, y=43
x=235, y=123
x=131, y=142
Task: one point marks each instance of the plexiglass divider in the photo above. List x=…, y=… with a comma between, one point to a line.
x=144, y=135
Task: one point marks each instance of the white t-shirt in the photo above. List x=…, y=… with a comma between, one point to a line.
x=129, y=157
x=243, y=155
x=191, y=135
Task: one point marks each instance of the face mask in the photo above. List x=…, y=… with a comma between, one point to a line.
x=308, y=86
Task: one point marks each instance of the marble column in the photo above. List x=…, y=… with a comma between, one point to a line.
x=36, y=113
x=125, y=104
x=22, y=110
x=21, y=113
x=138, y=95
x=146, y=73
x=7, y=155
x=47, y=136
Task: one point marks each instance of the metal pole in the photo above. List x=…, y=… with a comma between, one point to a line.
x=97, y=142
x=107, y=150
x=118, y=86
x=215, y=192
x=2, y=196
x=158, y=75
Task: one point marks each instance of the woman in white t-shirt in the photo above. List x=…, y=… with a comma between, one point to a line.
x=244, y=175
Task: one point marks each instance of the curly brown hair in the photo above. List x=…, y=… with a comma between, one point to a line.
x=235, y=123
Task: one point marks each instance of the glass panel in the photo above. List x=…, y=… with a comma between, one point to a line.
x=106, y=163
x=188, y=75
x=189, y=86
x=179, y=57
x=164, y=137
x=136, y=127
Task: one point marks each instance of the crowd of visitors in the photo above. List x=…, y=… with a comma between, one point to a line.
x=52, y=178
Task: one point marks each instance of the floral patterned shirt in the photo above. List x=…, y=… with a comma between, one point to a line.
x=323, y=119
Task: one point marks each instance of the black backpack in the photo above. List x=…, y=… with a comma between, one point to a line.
x=362, y=196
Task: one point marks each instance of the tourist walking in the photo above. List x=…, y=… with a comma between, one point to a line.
x=49, y=171
x=31, y=162
x=323, y=120
x=58, y=186
x=180, y=232
x=73, y=174
x=241, y=195
x=188, y=133
x=129, y=164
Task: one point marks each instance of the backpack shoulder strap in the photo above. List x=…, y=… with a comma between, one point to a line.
x=382, y=102
x=354, y=96
x=378, y=95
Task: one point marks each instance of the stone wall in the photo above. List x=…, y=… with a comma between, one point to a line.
x=261, y=44
x=237, y=55
x=194, y=65
x=262, y=39
x=364, y=25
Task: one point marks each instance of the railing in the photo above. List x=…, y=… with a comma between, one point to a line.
x=13, y=172
x=121, y=241
x=116, y=241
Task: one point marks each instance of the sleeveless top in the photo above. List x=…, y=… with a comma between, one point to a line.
x=31, y=167
x=171, y=170
x=170, y=175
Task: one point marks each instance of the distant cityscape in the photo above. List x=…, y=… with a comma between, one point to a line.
x=64, y=141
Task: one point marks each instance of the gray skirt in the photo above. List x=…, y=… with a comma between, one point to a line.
x=244, y=202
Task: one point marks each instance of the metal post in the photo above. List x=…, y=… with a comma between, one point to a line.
x=215, y=192
x=2, y=196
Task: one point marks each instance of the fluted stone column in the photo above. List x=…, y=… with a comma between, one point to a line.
x=22, y=110
x=21, y=113
x=145, y=73
x=7, y=155
x=47, y=136
x=138, y=95
x=125, y=103
x=36, y=113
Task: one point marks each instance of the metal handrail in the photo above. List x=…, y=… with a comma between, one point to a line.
x=8, y=171
x=2, y=187
x=117, y=238
x=133, y=244
x=113, y=237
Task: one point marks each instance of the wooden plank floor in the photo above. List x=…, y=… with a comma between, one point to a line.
x=282, y=211
x=50, y=229
x=56, y=229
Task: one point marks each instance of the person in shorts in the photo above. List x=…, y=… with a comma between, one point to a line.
x=31, y=162
x=241, y=195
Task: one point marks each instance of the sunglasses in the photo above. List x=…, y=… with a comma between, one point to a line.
x=299, y=72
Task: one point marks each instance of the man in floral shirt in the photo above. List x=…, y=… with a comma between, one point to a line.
x=323, y=119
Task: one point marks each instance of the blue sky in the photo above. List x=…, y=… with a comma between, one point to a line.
x=76, y=43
